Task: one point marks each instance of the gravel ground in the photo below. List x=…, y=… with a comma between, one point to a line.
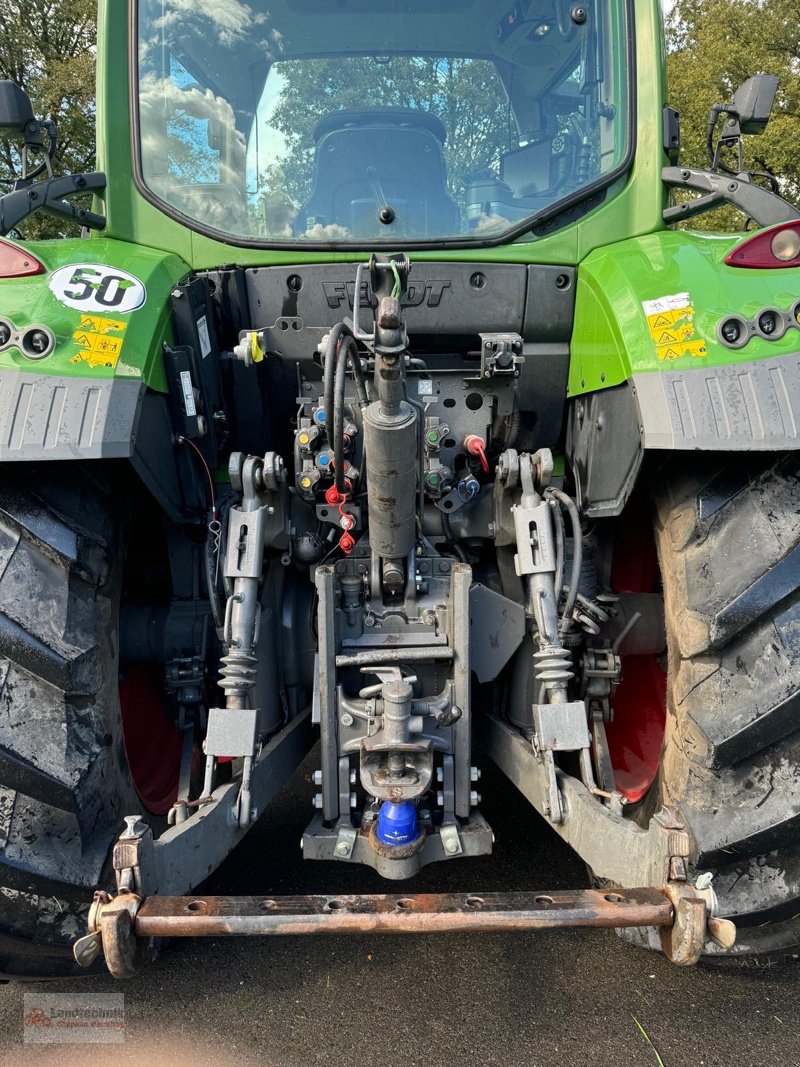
x=565, y=998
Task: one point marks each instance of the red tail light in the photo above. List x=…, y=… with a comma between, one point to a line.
x=778, y=246
x=15, y=262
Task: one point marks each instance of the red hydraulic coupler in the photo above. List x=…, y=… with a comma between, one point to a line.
x=476, y=446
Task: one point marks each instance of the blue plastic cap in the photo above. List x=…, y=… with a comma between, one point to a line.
x=397, y=823
x=468, y=488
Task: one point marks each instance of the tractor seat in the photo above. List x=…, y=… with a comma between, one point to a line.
x=372, y=158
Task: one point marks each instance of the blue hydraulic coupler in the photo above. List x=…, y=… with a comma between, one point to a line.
x=397, y=823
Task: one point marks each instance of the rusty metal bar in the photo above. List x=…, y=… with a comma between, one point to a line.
x=397, y=914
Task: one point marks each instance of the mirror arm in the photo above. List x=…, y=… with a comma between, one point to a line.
x=763, y=207
x=50, y=197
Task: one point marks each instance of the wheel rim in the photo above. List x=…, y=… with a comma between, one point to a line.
x=636, y=734
x=152, y=743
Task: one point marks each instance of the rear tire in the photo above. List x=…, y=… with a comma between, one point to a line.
x=728, y=537
x=64, y=780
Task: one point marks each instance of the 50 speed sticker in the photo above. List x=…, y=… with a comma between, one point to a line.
x=92, y=287
x=671, y=322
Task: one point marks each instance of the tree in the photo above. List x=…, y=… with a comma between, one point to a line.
x=715, y=45
x=48, y=48
x=464, y=93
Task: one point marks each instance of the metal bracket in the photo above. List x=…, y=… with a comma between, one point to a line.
x=231, y=732
x=501, y=354
x=559, y=728
x=133, y=856
x=345, y=842
x=451, y=842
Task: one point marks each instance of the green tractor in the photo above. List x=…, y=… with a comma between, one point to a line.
x=381, y=406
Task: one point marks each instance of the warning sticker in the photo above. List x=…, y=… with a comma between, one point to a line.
x=671, y=322
x=100, y=325
x=96, y=345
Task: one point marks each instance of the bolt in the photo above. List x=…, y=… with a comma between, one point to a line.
x=440, y=800
x=317, y=777
x=439, y=774
x=451, y=846
x=474, y=774
x=353, y=800
x=352, y=777
x=318, y=800
x=346, y=719
x=342, y=849
x=474, y=799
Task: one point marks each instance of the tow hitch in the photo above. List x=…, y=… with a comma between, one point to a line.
x=121, y=928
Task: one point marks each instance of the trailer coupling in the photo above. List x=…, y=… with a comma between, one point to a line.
x=122, y=927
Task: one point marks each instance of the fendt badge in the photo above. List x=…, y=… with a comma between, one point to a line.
x=337, y=292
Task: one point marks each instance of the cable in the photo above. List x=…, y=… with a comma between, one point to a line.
x=211, y=581
x=512, y=431
x=447, y=530
x=212, y=547
x=181, y=440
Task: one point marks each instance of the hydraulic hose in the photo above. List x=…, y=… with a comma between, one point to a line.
x=329, y=367
x=347, y=353
x=338, y=415
x=421, y=453
x=558, y=521
x=577, y=552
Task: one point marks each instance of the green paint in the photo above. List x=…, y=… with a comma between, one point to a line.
x=623, y=252
x=30, y=300
x=633, y=207
x=612, y=340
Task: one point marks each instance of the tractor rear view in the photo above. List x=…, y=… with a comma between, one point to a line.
x=382, y=407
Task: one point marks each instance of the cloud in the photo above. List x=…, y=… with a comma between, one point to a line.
x=232, y=19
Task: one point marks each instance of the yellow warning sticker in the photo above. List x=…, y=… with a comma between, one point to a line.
x=96, y=347
x=100, y=325
x=671, y=322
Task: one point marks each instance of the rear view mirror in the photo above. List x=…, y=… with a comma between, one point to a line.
x=753, y=102
x=16, y=111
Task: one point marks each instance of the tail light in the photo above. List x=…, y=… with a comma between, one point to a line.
x=16, y=262
x=778, y=246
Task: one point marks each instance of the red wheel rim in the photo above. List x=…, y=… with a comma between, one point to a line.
x=636, y=734
x=152, y=743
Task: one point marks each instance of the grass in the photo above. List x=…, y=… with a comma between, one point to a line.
x=646, y=1036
